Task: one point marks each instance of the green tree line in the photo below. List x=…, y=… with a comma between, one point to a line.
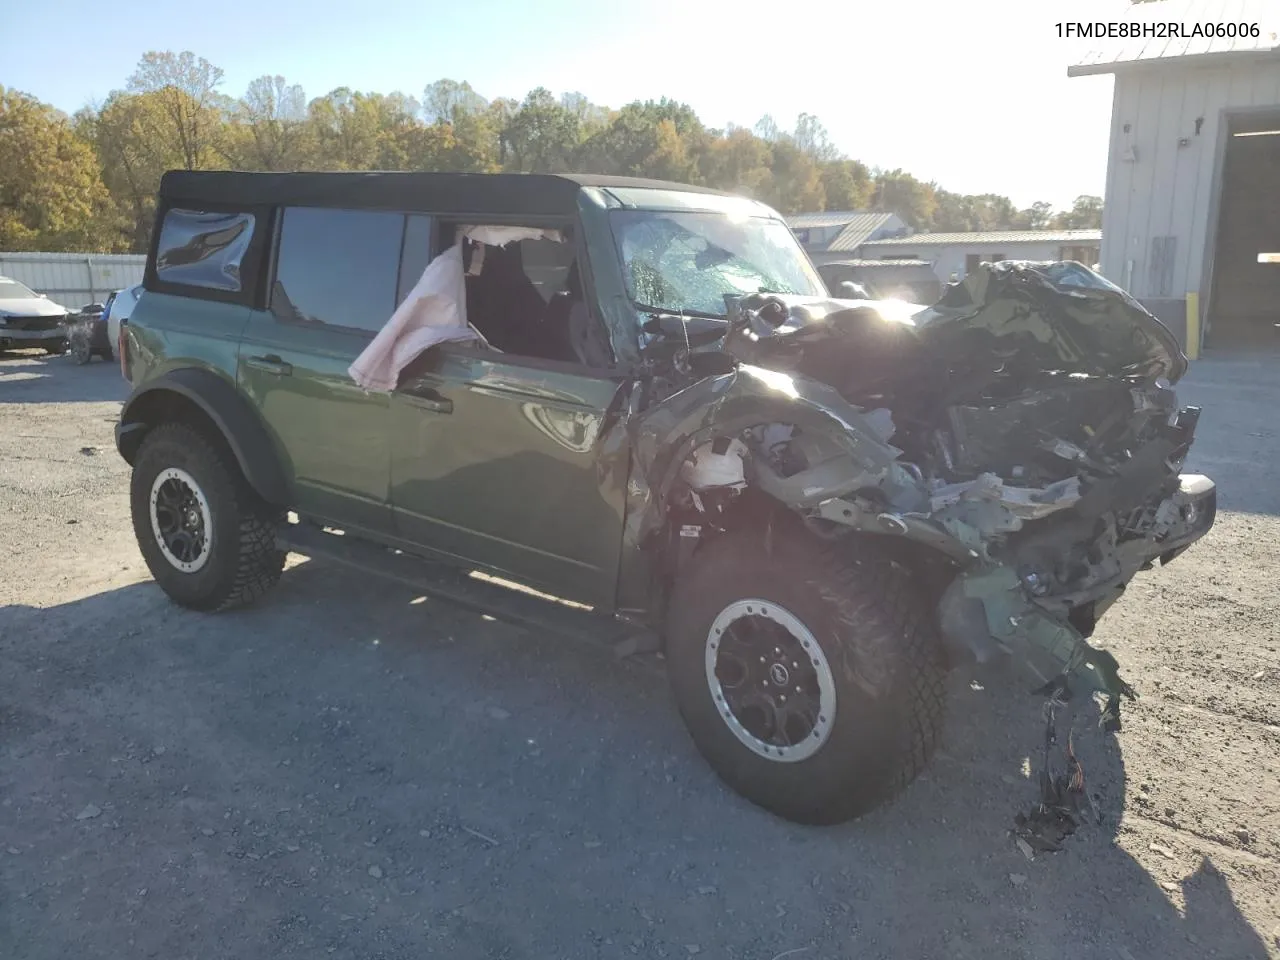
x=88, y=182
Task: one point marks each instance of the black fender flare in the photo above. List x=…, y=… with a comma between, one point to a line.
x=234, y=417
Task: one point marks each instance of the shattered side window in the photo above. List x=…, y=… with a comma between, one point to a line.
x=203, y=249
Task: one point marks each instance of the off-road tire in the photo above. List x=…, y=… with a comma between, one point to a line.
x=876, y=633
x=244, y=562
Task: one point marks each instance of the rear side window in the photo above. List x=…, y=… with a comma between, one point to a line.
x=203, y=249
x=337, y=267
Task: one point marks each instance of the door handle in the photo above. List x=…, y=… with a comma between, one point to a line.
x=271, y=364
x=430, y=400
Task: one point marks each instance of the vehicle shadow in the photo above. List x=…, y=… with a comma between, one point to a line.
x=401, y=777
x=34, y=377
x=1093, y=897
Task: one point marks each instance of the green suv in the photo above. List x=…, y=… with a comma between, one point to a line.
x=648, y=405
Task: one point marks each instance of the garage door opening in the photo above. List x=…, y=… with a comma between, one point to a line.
x=1244, y=310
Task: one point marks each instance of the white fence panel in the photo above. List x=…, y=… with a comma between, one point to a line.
x=74, y=279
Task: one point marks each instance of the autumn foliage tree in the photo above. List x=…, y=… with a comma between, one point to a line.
x=51, y=194
x=91, y=182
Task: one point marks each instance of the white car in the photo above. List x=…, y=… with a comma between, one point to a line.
x=119, y=306
x=30, y=319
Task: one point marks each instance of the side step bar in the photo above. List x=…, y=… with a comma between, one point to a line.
x=477, y=592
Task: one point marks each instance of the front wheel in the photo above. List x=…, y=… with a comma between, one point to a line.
x=206, y=536
x=808, y=674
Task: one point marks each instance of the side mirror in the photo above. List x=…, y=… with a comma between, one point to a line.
x=853, y=291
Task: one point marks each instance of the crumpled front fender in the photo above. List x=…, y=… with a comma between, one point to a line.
x=664, y=435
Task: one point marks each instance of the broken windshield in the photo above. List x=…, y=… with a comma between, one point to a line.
x=675, y=262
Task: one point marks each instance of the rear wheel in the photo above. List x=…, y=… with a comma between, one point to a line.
x=809, y=676
x=206, y=536
x=80, y=350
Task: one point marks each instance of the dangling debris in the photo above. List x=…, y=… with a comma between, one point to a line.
x=1064, y=803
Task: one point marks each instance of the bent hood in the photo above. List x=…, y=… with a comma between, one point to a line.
x=1010, y=316
x=1072, y=319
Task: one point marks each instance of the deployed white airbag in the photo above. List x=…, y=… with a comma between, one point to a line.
x=500, y=236
x=434, y=311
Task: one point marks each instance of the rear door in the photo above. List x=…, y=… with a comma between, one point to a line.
x=333, y=286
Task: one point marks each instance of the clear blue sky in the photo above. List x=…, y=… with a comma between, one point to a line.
x=971, y=94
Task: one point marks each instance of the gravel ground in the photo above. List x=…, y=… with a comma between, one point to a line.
x=347, y=770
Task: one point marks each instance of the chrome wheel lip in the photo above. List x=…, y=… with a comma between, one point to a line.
x=784, y=618
x=206, y=518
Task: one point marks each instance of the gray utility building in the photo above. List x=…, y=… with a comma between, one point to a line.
x=1191, y=221
x=840, y=234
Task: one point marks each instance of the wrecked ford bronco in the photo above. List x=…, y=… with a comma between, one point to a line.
x=636, y=400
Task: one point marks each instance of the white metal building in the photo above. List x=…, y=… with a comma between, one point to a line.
x=74, y=279
x=1191, y=221
x=953, y=255
x=840, y=234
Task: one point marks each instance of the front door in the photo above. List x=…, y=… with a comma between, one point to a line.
x=334, y=286
x=515, y=464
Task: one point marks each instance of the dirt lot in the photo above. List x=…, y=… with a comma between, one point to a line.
x=347, y=770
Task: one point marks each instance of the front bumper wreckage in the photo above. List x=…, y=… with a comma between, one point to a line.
x=1023, y=430
x=989, y=607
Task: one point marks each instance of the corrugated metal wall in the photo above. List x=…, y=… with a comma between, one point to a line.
x=74, y=279
x=1156, y=220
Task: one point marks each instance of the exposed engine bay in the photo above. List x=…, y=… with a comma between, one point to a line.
x=1023, y=432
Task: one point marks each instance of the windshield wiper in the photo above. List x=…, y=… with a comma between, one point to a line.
x=696, y=314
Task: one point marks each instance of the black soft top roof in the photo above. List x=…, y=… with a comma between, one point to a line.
x=531, y=194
